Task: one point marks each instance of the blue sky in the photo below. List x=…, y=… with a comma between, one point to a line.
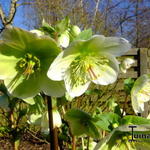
x=19, y=20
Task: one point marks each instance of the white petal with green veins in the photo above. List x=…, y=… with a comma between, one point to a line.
x=59, y=66
x=140, y=93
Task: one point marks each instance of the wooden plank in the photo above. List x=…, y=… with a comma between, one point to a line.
x=148, y=52
x=129, y=74
x=143, y=61
x=135, y=64
x=133, y=51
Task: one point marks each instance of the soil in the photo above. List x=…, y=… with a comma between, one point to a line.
x=27, y=143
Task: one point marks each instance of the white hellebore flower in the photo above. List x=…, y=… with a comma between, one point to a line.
x=126, y=64
x=88, y=60
x=140, y=93
x=42, y=120
x=45, y=124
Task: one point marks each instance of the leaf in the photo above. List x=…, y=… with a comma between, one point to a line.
x=106, y=121
x=38, y=107
x=81, y=123
x=93, y=91
x=84, y=35
x=128, y=84
x=134, y=120
x=119, y=138
x=29, y=101
x=63, y=25
x=47, y=28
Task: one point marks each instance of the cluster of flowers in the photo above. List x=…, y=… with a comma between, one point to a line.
x=68, y=60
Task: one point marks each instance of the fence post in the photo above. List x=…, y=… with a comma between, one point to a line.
x=144, y=65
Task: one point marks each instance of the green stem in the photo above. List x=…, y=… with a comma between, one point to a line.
x=53, y=130
x=88, y=142
x=124, y=106
x=82, y=140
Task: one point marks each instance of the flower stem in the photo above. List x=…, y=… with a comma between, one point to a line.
x=73, y=143
x=53, y=130
x=88, y=142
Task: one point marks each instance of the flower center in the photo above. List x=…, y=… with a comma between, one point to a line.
x=84, y=69
x=28, y=65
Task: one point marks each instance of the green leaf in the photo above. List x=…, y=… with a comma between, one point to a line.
x=93, y=91
x=63, y=25
x=119, y=138
x=35, y=119
x=47, y=28
x=134, y=120
x=84, y=35
x=128, y=84
x=81, y=123
x=38, y=107
x=29, y=101
x=107, y=121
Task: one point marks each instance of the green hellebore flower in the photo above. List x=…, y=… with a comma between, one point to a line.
x=24, y=61
x=88, y=60
x=140, y=93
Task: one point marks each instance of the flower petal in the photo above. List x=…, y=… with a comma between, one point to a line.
x=7, y=66
x=106, y=73
x=64, y=39
x=11, y=49
x=18, y=36
x=52, y=88
x=140, y=93
x=59, y=66
x=44, y=48
x=116, y=46
x=23, y=88
x=74, y=87
x=113, y=45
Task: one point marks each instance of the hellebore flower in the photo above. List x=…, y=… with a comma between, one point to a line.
x=126, y=64
x=24, y=61
x=88, y=60
x=140, y=93
x=42, y=120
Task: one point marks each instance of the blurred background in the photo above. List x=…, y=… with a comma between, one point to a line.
x=127, y=18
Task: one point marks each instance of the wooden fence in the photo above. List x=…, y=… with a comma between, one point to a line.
x=140, y=67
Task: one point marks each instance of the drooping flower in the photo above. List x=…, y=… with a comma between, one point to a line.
x=126, y=64
x=42, y=120
x=24, y=61
x=88, y=60
x=140, y=93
